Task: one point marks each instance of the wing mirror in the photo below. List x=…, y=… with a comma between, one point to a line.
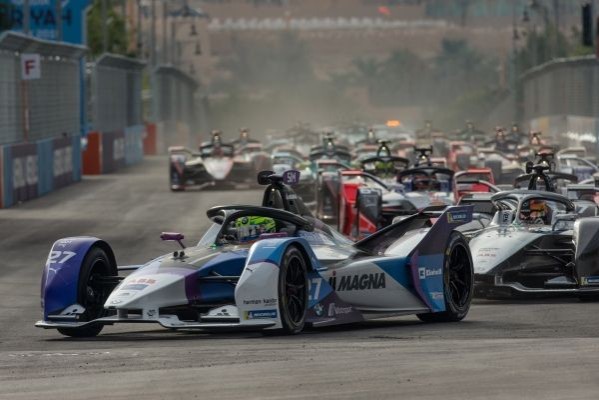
x=562, y=219
x=173, y=237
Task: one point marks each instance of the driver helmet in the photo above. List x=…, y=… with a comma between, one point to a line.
x=244, y=133
x=371, y=136
x=216, y=136
x=534, y=211
x=251, y=227
x=500, y=134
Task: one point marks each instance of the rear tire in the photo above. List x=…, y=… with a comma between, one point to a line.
x=92, y=294
x=293, y=293
x=458, y=282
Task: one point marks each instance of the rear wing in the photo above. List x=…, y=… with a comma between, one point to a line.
x=447, y=219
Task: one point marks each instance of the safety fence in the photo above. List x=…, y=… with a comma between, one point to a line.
x=40, y=116
x=174, y=105
x=561, y=98
x=67, y=118
x=45, y=106
x=115, y=95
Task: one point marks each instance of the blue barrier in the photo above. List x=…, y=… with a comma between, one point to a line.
x=30, y=170
x=134, y=151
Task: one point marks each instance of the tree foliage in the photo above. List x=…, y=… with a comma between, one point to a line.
x=117, y=33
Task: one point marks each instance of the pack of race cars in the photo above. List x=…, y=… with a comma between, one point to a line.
x=374, y=223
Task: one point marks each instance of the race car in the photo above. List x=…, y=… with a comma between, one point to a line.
x=367, y=204
x=539, y=242
x=461, y=156
x=473, y=180
x=216, y=164
x=505, y=167
x=270, y=268
x=536, y=244
x=572, y=163
x=431, y=182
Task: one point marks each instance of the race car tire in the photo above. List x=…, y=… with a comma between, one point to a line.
x=92, y=294
x=458, y=278
x=293, y=292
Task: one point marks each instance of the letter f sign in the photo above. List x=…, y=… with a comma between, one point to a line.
x=30, y=66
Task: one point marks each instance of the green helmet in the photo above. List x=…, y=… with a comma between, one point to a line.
x=251, y=227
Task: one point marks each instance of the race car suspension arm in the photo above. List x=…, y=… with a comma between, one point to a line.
x=552, y=253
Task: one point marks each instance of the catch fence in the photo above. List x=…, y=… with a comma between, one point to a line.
x=174, y=105
x=115, y=95
x=47, y=107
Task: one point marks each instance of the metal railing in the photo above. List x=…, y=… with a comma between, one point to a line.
x=174, y=96
x=115, y=95
x=562, y=87
x=41, y=108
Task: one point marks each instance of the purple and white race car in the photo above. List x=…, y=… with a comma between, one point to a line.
x=272, y=268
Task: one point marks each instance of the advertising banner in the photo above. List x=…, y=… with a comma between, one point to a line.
x=134, y=151
x=113, y=151
x=23, y=182
x=42, y=19
x=62, y=162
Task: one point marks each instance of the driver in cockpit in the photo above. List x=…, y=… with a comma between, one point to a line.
x=535, y=211
x=248, y=229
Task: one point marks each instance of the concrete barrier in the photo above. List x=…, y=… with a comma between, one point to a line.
x=107, y=152
x=150, y=140
x=30, y=170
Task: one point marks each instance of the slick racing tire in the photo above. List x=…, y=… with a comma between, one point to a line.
x=92, y=293
x=293, y=293
x=458, y=282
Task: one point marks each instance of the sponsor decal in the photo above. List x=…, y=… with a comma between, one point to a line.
x=267, y=302
x=455, y=217
x=589, y=280
x=490, y=252
x=334, y=310
x=143, y=280
x=25, y=171
x=138, y=284
x=261, y=314
x=319, y=310
x=63, y=163
x=424, y=273
x=437, y=295
x=358, y=282
x=134, y=287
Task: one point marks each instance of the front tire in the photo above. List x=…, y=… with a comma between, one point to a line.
x=458, y=282
x=92, y=293
x=293, y=292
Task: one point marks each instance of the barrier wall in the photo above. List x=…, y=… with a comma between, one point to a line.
x=30, y=170
x=107, y=152
x=150, y=140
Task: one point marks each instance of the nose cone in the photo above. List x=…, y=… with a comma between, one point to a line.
x=140, y=291
x=219, y=168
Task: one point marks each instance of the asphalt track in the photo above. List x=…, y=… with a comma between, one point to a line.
x=519, y=350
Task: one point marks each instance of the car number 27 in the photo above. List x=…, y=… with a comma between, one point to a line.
x=60, y=257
